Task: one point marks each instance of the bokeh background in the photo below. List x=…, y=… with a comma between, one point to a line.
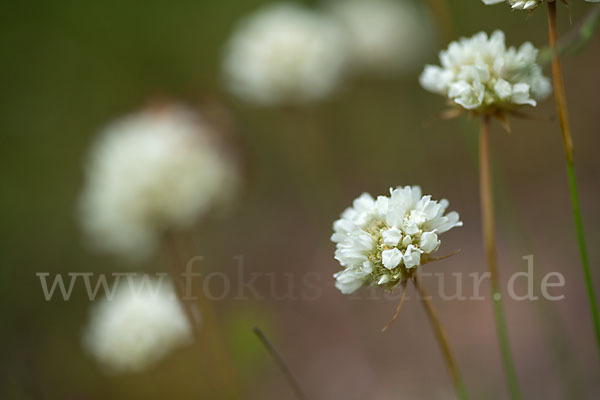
x=68, y=67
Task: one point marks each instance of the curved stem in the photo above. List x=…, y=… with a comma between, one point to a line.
x=559, y=87
x=489, y=235
x=561, y=106
x=398, y=308
x=441, y=337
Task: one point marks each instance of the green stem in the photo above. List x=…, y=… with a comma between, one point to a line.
x=489, y=234
x=440, y=334
x=561, y=105
x=583, y=251
x=296, y=388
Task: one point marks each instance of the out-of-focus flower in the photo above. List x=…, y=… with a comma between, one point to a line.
x=481, y=74
x=385, y=36
x=382, y=241
x=285, y=53
x=517, y=4
x=151, y=172
x=139, y=325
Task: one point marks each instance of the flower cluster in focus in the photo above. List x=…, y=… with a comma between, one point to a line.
x=381, y=241
x=517, y=4
x=141, y=323
x=481, y=74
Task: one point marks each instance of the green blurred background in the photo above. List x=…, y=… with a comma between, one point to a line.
x=68, y=67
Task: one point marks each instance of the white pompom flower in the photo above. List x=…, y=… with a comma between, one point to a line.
x=137, y=326
x=382, y=241
x=285, y=53
x=149, y=173
x=481, y=74
x=385, y=36
x=517, y=4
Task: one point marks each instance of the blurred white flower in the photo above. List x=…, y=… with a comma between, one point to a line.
x=141, y=324
x=517, y=4
x=385, y=36
x=481, y=74
x=284, y=53
x=380, y=241
x=150, y=172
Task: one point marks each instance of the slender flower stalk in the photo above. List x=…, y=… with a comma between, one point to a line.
x=289, y=376
x=440, y=334
x=175, y=264
x=561, y=105
x=489, y=234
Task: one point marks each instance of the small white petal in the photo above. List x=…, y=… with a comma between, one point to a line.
x=391, y=258
x=435, y=79
x=503, y=89
x=412, y=257
x=410, y=228
x=392, y=236
x=348, y=281
x=417, y=218
x=381, y=205
x=429, y=242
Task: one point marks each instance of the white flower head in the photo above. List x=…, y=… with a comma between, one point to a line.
x=385, y=36
x=517, y=4
x=382, y=241
x=285, y=53
x=137, y=326
x=481, y=74
x=148, y=173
